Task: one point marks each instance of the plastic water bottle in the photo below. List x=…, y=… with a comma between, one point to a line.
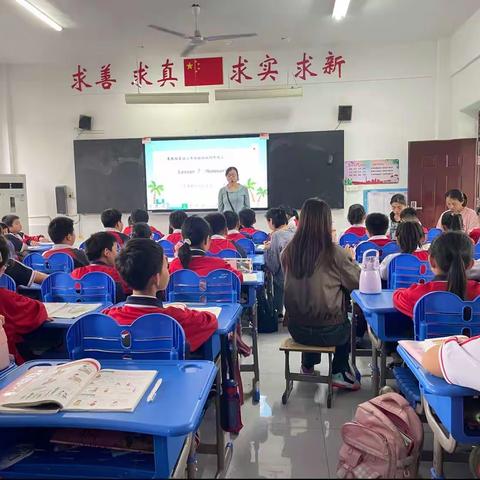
x=370, y=280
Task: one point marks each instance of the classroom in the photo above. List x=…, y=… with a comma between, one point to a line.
x=239, y=239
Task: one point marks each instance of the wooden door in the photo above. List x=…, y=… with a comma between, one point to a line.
x=434, y=167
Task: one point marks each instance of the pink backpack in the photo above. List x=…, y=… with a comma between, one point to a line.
x=384, y=440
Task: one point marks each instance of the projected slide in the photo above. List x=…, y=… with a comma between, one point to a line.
x=187, y=174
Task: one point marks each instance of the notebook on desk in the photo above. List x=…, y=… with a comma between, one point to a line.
x=70, y=310
x=75, y=386
x=249, y=277
x=215, y=310
x=243, y=265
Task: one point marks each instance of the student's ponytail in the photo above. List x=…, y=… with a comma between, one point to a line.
x=453, y=253
x=195, y=233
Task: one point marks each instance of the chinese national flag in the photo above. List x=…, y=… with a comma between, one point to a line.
x=203, y=71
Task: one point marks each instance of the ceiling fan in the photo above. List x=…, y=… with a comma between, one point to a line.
x=197, y=39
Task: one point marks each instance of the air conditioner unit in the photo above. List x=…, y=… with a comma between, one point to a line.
x=13, y=197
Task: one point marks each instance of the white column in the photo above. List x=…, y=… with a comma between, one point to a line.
x=6, y=124
x=443, y=91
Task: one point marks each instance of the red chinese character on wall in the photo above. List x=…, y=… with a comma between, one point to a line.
x=267, y=68
x=140, y=75
x=167, y=74
x=106, y=80
x=239, y=71
x=79, y=77
x=332, y=63
x=303, y=67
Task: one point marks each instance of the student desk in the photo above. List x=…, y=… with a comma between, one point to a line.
x=218, y=344
x=40, y=248
x=172, y=418
x=258, y=261
x=385, y=324
x=444, y=407
x=252, y=329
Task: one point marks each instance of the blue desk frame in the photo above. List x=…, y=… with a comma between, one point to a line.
x=385, y=324
x=194, y=378
x=447, y=401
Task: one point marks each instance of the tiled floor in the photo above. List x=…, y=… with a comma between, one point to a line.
x=301, y=439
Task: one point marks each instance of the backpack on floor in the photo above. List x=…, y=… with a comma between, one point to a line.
x=266, y=315
x=384, y=440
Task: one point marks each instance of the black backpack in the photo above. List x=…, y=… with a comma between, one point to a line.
x=267, y=317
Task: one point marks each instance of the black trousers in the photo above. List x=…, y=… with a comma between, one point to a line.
x=326, y=336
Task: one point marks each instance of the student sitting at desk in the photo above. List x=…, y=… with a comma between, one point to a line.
x=192, y=254
x=17, y=237
x=143, y=265
x=218, y=240
x=377, y=226
x=101, y=250
x=451, y=222
x=280, y=237
x=112, y=222
x=138, y=216
x=455, y=360
x=22, y=315
x=233, y=226
x=410, y=239
x=176, y=220
x=318, y=274
x=62, y=234
x=356, y=218
x=247, y=221
x=451, y=255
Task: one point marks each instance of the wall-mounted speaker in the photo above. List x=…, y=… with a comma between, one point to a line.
x=61, y=197
x=85, y=122
x=344, y=113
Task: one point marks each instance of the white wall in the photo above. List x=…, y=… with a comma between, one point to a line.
x=465, y=75
x=392, y=90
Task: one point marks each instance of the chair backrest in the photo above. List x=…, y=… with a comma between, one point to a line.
x=405, y=270
x=476, y=253
x=247, y=245
x=218, y=286
x=259, y=237
x=58, y=262
x=94, y=287
x=433, y=233
x=362, y=248
x=168, y=247
x=388, y=249
x=82, y=246
x=227, y=253
x=153, y=336
x=351, y=239
x=156, y=236
x=8, y=283
x=440, y=314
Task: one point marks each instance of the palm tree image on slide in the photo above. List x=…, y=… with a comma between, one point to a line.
x=261, y=193
x=250, y=186
x=157, y=190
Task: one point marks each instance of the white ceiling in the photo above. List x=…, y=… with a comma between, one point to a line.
x=113, y=27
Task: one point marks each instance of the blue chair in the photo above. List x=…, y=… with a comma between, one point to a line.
x=58, y=262
x=476, y=253
x=259, y=237
x=94, y=287
x=153, y=336
x=440, y=314
x=362, y=248
x=226, y=253
x=82, y=246
x=247, y=245
x=433, y=233
x=156, y=236
x=218, y=286
x=351, y=239
x=405, y=270
x=8, y=283
x=389, y=249
x=168, y=247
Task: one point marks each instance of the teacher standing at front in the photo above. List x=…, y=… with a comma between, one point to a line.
x=233, y=196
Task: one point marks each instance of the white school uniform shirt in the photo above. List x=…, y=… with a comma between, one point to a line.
x=460, y=362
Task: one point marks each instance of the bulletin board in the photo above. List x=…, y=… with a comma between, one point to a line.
x=378, y=200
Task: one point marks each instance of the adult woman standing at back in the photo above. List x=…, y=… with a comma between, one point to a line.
x=456, y=203
x=318, y=275
x=233, y=196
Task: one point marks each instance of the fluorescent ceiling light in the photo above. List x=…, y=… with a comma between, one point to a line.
x=166, y=98
x=39, y=14
x=254, y=93
x=340, y=9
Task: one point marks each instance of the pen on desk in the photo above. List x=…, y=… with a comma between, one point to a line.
x=151, y=395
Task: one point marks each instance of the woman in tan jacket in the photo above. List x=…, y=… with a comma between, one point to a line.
x=319, y=275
